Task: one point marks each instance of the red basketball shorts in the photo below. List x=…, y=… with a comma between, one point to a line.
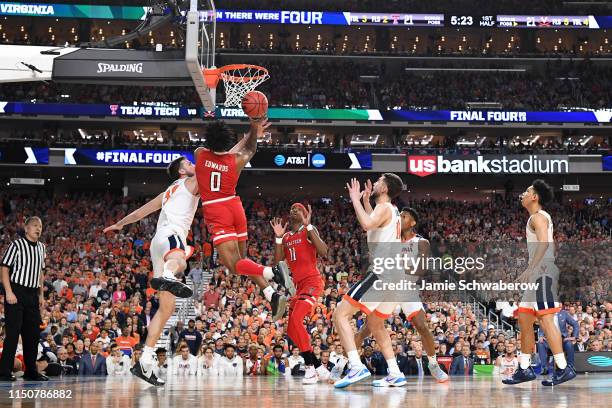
x=225, y=220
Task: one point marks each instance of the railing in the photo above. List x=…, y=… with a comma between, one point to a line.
x=480, y=310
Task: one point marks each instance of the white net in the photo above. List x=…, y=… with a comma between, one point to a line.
x=240, y=80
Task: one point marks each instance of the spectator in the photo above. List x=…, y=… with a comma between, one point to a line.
x=192, y=337
x=296, y=362
x=175, y=333
x=208, y=363
x=507, y=364
x=276, y=363
x=418, y=364
x=185, y=363
x=69, y=366
x=164, y=365
x=117, y=363
x=231, y=365
x=374, y=360
x=463, y=364
x=325, y=369
x=196, y=276
x=92, y=363
x=126, y=342
x=565, y=322
x=402, y=359
x=252, y=364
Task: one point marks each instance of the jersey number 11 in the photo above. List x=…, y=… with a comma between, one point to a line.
x=292, y=256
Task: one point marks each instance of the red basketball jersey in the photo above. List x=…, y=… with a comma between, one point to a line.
x=300, y=255
x=217, y=175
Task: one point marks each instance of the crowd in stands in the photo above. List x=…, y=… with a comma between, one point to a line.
x=98, y=301
x=338, y=85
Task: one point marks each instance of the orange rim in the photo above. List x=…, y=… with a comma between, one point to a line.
x=212, y=75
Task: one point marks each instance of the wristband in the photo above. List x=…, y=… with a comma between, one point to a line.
x=279, y=241
x=309, y=227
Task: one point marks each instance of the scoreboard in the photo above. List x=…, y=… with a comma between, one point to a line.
x=517, y=21
x=396, y=19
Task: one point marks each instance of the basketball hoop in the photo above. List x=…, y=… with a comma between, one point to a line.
x=238, y=80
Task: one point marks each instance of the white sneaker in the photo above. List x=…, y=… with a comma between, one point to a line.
x=438, y=373
x=354, y=375
x=311, y=376
x=392, y=380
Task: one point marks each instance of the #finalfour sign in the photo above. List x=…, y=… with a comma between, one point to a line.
x=423, y=166
x=123, y=158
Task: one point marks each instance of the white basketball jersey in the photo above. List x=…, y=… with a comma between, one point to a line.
x=508, y=367
x=410, y=248
x=532, y=237
x=390, y=232
x=178, y=209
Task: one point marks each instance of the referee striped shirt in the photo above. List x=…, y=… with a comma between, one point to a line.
x=25, y=260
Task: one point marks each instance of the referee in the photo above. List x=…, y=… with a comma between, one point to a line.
x=22, y=277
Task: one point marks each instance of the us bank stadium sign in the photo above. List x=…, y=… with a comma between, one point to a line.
x=424, y=166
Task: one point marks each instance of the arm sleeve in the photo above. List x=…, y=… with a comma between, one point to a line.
x=9, y=255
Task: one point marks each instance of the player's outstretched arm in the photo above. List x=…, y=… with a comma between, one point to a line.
x=279, y=231
x=379, y=216
x=367, y=193
x=249, y=147
x=150, y=207
x=240, y=145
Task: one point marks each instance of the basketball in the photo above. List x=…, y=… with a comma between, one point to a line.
x=255, y=104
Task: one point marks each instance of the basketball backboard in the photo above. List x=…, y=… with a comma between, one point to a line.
x=200, y=47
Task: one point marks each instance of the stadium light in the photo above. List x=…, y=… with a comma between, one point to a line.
x=364, y=140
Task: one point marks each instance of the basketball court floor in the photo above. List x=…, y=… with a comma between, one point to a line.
x=594, y=390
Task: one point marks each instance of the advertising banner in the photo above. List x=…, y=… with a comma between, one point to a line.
x=24, y=155
x=593, y=116
x=264, y=159
x=122, y=158
x=424, y=166
x=161, y=110
x=73, y=11
x=591, y=361
x=311, y=161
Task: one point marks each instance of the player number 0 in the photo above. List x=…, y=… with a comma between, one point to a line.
x=215, y=181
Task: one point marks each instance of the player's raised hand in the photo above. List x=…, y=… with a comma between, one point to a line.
x=114, y=227
x=354, y=189
x=367, y=190
x=306, y=217
x=278, y=226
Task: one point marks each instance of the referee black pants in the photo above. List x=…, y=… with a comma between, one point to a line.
x=22, y=318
